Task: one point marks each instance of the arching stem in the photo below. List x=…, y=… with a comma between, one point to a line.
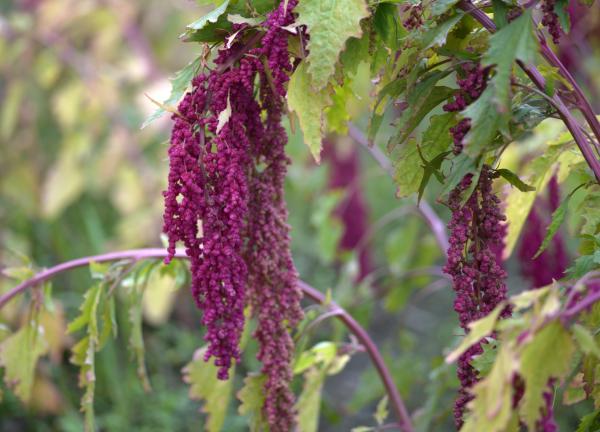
x=353, y=326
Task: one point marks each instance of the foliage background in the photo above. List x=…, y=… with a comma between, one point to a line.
x=79, y=177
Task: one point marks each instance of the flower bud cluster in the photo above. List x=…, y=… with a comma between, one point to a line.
x=476, y=228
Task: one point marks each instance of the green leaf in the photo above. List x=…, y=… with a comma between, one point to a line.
x=179, y=85
x=337, y=114
x=310, y=110
x=212, y=17
x=409, y=173
x=528, y=298
x=590, y=422
x=536, y=373
x=586, y=340
x=356, y=52
x=11, y=107
x=516, y=41
x=440, y=7
x=330, y=23
x=420, y=100
x=322, y=353
x=385, y=23
x=483, y=362
x=485, y=122
x=558, y=216
x=109, y=320
x=538, y=173
x=19, y=354
x=491, y=410
x=462, y=165
x=84, y=352
x=252, y=398
x=588, y=210
x=431, y=168
x=437, y=35
x=560, y=8
x=204, y=385
x=321, y=360
x=309, y=402
x=582, y=265
x=239, y=19
x=136, y=337
x=477, y=331
x=490, y=112
x=514, y=180
x=381, y=412
x=500, y=13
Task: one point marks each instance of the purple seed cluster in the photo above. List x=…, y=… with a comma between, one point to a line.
x=225, y=202
x=476, y=228
x=550, y=20
x=471, y=86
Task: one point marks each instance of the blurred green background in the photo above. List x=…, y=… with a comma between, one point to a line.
x=79, y=177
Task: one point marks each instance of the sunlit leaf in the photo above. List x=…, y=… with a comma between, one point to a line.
x=252, y=399
x=310, y=111
x=204, y=386
x=19, y=354
x=536, y=373
x=477, y=331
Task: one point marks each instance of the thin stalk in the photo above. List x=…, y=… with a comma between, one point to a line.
x=538, y=80
x=155, y=253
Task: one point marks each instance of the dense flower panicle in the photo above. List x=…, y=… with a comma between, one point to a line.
x=470, y=88
x=550, y=20
x=552, y=263
x=477, y=275
x=272, y=279
x=353, y=210
x=226, y=176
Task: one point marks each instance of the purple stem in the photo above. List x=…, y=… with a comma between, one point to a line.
x=583, y=104
x=584, y=304
x=538, y=80
x=138, y=254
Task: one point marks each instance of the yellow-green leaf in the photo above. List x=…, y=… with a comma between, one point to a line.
x=19, y=354
x=252, y=399
x=309, y=106
x=204, y=385
x=540, y=361
x=477, y=330
x=491, y=410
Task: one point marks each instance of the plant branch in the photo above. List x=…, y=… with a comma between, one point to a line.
x=155, y=253
x=539, y=81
